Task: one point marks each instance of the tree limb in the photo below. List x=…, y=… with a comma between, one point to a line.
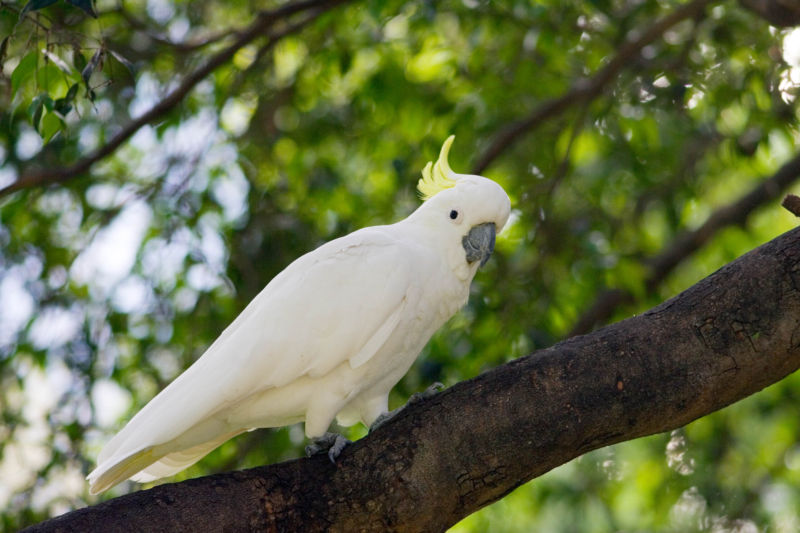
x=587, y=89
x=779, y=13
x=685, y=244
x=264, y=22
x=726, y=337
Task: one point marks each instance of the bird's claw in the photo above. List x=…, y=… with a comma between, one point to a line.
x=330, y=443
x=427, y=393
x=416, y=397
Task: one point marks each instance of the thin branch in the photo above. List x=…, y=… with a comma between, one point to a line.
x=564, y=166
x=792, y=204
x=264, y=21
x=585, y=90
x=190, y=45
x=685, y=244
x=31, y=16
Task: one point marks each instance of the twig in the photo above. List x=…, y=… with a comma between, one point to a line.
x=792, y=204
x=685, y=244
x=264, y=21
x=586, y=89
x=189, y=45
x=563, y=168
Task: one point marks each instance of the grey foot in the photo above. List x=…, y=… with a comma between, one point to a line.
x=330, y=443
x=416, y=397
x=427, y=393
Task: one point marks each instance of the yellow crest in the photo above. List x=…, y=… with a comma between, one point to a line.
x=437, y=176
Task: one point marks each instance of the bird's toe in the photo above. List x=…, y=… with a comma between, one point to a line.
x=330, y=443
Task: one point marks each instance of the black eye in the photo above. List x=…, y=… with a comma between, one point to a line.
x=453, y=214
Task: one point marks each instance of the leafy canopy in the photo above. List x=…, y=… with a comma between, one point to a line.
x=115, y=277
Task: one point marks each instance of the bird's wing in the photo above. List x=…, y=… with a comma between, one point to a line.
x=337, y=303
x=342, y=307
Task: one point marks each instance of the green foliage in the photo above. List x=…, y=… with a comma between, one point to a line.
x=113, y=282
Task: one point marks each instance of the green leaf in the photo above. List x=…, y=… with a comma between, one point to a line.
x=35, y=5
x=72, y=92
x=78, y=60
x=46, y=101
x=37, y=116
x=3, y=49
x=35, y=111
x=51, y=124
x=23, y=72
x=64, y=105
x=49, y=79
x=84, y=5
x=41, y=103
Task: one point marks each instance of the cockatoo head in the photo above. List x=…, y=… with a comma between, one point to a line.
x=462, y=208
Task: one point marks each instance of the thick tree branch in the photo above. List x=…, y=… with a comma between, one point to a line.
x=587, y=89
x=728, y=336
x=685, y=244
x=260, y=27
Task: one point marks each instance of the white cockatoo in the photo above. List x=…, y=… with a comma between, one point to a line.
x=327, y=338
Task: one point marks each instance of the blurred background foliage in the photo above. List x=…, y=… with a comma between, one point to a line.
x=112, y=281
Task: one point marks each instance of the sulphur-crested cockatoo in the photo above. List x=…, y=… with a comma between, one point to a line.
x=327, y=338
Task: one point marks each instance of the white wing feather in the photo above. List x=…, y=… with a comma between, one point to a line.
x=337, y=303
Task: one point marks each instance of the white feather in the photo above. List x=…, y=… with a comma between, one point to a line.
x=330, y=334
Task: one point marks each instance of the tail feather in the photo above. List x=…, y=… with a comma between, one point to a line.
x=104, y=477
x=150, y=463
x=174, y=462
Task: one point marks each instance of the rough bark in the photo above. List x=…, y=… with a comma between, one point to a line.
x=726, y=337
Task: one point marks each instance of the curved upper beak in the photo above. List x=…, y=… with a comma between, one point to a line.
x=479, y=242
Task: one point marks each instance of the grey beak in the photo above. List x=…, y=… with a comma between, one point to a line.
x=479, y=243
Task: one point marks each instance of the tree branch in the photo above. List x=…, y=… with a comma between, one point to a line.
x=779, y=13
x=685, y=244
x=190, y=45
x=792, y=204
x=263, y=23
x=441, y=459
x=588, y=89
